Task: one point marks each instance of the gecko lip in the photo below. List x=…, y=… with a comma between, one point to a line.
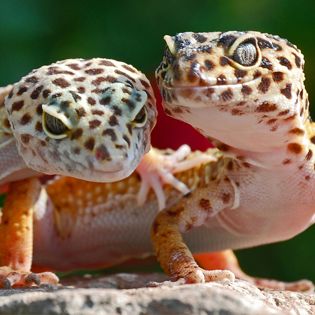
x=206, y=87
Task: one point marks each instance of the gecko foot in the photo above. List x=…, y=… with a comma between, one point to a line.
x=158, y=166
x=12, y=278
x=200, y=276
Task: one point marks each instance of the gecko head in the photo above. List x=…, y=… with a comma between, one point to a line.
x=233, y=82
x=89, y=119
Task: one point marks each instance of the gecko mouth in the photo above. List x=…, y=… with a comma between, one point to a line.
x=206, y=87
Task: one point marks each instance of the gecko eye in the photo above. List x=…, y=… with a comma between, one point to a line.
x=141, y=117
x=54, y=127
x=245, y=53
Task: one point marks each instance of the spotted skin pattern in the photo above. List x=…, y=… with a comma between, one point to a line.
x=101, y=112
x=245, y=92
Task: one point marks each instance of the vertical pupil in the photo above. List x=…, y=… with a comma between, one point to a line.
x=245, y=54
x=54, y=125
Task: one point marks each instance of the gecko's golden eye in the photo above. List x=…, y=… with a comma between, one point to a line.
x=54, y=127
x=141, y=117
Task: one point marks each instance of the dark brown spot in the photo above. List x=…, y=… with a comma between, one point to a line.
x=237, y=112
x=277, y=76
x=31, y=79
x=117, y=111
x=6, y=123
x=77, y=134
x=110, y=132
x=129, y=68
x=226, y=40
x=286, y=161
x=127, y=140
x=61, y=82
x=76, y=150
x=81, y=89
x=205, y=204
x=26, y=118
x=309, y=155
x=297, y=60
x=263, y=43
x=75, y=96
x=240, y=73
x=98, y=81
x=80, y=112
x=105, y=62
x=46, y=93
x=113, y=120
x=246, y=90
x=257, y=74
x=223, y=147
x=265, y=63
x=16, y=106
x=287, y=91
x=25, y=138
x=294, y=147
x=312, y=139
x=224, y=61
x=221, y=79
x=79, y=79
x=284, y=112
x=297, y=131
x=39, y=109
x=227, y=95
x=199, y=37
x=271, y=121
x=91, y=100
x=94, y=123
x=97, y=112
x=145, y=83
x=307, y=177
x=264, y=85
x=74, y=66
x=89, y=144
x=266, y=107
x=94, y=71
x=285, y=62
x=105, y=100
x=21, y=90
x=39, y=126
x=226, y=197
x=102, y=153
x=124, y=74
x=209, y=64
x=36, y=92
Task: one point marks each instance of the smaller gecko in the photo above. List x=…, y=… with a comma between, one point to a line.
x=245, y=92
x=89, y=119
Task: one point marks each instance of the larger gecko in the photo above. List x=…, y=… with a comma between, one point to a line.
x=245, y=91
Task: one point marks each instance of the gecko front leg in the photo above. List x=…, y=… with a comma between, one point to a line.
x=16, y=234
x=171, y=251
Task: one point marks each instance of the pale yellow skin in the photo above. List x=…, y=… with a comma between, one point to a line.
x=245, y=92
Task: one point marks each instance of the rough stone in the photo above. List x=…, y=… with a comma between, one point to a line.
x=129, y=294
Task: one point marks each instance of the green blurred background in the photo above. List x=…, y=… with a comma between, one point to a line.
x=38, y=32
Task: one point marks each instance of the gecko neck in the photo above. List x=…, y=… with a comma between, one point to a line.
x=296, y=148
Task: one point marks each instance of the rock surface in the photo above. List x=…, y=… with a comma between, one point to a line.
x=126, y=294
